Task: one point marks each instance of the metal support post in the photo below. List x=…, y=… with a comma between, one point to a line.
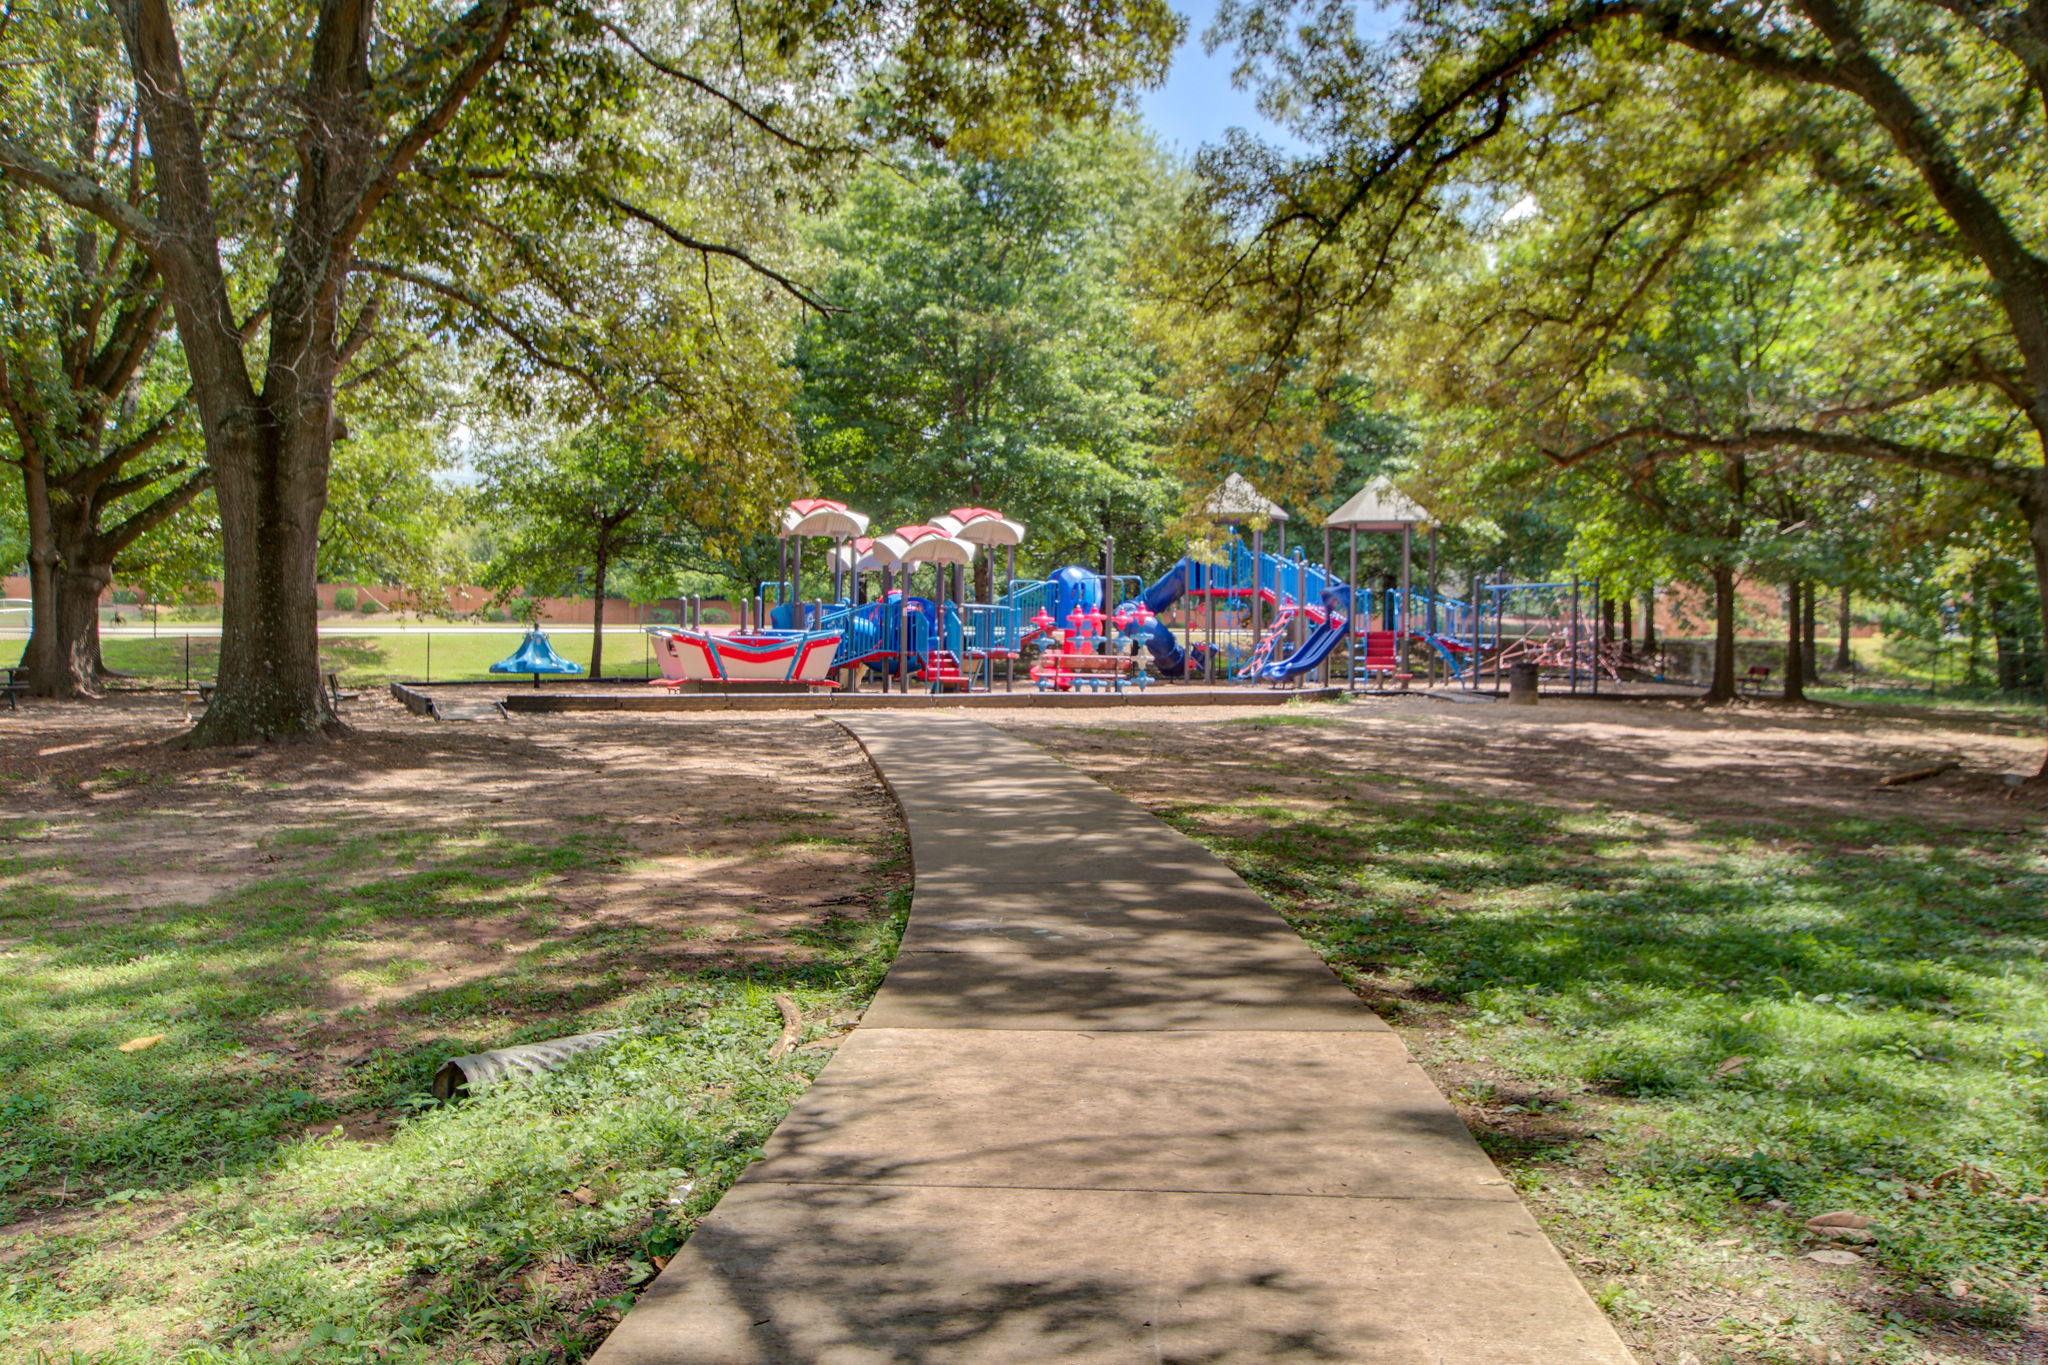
x=1574, y=633
x=903, y=637
x=1593, y=654
x=1109, y=643
x=1257, y=607
x=1351, y=625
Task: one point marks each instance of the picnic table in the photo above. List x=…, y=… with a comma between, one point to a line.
x=1063, y=672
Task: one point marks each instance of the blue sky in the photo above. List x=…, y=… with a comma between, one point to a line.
x=1198, y=103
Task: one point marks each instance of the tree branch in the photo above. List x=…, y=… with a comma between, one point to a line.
x=481, y=307
x=731, y=102
x=2017, y=480
x=681, y=238
x=400, y=158
x=80, y=191
x=132, y=528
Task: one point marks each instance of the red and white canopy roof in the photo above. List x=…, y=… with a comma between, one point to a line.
x=927, y=544
x=982, y=526
x=865, y=554
x=821, y=517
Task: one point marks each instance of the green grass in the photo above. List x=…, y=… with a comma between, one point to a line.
x=1948, y=699
x=1283, y=720
x=171, y=1204
x=371, y=660
x=1719, y=1016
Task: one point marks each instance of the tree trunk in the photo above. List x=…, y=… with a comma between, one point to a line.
x=1628, y=626
x=79, y=586
x=2036, y=509
x=1795, y=640
x=1650, y=622
x=1844, y=660
x=271, y=488
x=42, y=656
x=1723, y=689
x=604, y=563
x=1810, y=655
x=1607, y=620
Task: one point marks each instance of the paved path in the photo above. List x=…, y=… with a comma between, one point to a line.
x=1107, y=1107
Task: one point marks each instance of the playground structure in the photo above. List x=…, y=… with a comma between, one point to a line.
x=535, y=655
x=1231, y=611
x=803, y=657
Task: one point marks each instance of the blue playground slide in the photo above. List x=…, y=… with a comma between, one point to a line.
x=1277, y=576
x=1185, y=576
x=1071, y=588
x=1316, y=648
x=1313, y=651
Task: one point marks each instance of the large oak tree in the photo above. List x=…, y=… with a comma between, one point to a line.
x=1917, y=126
x=93, y=394
x=314, y=166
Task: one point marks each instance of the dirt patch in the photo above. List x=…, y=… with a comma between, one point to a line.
x=375, y=893
x=1750, y=760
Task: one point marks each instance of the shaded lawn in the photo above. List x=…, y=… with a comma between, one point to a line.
x=1992, y=704
x=1685, y=1034
x=270, y=1180
x=1834, y=1017
x=372, y=660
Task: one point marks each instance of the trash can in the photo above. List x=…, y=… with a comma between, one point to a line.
x=1522, y=684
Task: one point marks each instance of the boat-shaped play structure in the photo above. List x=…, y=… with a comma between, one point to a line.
x=801, y=657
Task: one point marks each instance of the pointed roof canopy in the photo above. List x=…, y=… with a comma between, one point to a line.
x=926, y=544
x=1236, y=500
x=1379, y=506
x=821, y=517
x=865, y=554
x=980, y=526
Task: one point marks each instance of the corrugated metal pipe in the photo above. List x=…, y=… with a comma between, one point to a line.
x=461, y=1075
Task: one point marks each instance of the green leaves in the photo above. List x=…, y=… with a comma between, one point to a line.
x=983, y=354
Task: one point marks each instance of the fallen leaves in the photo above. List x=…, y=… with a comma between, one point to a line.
x=1975, y=1177
x=148, y=1040
x=1734, y=1066
x=1832, y=1256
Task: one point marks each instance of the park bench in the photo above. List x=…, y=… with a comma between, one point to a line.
x=1758, y=677
x=14, y=687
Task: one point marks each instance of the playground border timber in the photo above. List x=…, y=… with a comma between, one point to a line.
x=417, y=697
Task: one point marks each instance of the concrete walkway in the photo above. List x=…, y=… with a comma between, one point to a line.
x=1107, y=1107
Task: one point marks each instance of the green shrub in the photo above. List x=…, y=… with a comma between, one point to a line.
x=369, y=605
x=344, y=599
